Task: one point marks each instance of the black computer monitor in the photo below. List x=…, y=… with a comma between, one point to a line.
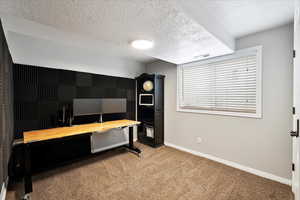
x=93, y=106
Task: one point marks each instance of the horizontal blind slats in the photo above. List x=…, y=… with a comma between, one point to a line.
x=224, y=85
x=221, y=69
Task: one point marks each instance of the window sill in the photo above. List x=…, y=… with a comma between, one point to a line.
x=213, y=112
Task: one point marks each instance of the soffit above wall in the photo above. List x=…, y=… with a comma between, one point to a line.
x=178, y=37
x=240, y=17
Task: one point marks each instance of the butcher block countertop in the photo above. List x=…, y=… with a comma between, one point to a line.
x=54, y=133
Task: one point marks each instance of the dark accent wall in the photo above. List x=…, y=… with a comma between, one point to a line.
x=6, y=107
x=41, y=92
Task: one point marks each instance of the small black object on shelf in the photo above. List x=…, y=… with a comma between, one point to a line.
x=150, y=109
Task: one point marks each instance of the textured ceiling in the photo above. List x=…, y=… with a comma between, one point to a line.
x=39, y=33
x=182, y=30
x=177, y=37
x=242, y=17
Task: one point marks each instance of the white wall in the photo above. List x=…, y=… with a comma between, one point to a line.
x=262, y=144
x=47, y=53
x=42, y=45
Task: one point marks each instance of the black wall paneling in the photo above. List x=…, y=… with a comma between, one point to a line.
x=6, y=107
x=41, y=92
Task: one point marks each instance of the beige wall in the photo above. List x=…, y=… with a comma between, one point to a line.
x=263, y=144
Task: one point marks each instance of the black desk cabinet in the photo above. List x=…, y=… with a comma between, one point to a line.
x=151, y=116
x=49, y=154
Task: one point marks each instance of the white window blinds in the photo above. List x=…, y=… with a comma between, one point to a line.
x=228, y=84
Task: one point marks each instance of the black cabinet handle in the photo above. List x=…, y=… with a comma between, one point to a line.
x=295, y=133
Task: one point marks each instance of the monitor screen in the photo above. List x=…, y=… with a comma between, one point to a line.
x=146, y=99
x=98, y=106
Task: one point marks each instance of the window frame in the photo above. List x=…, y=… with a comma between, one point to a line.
x=236, y=54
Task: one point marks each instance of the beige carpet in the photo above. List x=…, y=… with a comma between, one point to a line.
x=163, y=173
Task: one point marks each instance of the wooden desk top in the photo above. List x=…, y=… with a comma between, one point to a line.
x=54, y=133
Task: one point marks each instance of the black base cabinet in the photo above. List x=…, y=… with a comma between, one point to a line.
x=53, y=153
x=49, y=154
x=151, y=115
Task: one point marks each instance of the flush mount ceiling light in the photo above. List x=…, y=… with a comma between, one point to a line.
x=142, y=44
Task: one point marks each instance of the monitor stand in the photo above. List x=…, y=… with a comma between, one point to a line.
x=100, y=118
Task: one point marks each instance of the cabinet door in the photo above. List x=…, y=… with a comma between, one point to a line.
x=159, y=94
x=159, y=128
x=2, y=163
x=57, y=152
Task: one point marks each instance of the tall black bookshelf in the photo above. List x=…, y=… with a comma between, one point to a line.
x=150, y=109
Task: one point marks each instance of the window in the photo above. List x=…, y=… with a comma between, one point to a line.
x=227, y=85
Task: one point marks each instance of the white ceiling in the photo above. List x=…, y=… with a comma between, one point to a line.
x=181, y=29
x=178, y=38
x=243, y=17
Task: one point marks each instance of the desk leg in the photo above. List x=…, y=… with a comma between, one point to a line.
x=131, y=146
x=27, y=175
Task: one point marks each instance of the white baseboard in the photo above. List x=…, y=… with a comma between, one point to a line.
x=3, y=190
x=233, y=164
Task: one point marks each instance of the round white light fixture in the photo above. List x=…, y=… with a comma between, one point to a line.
x=142, y=44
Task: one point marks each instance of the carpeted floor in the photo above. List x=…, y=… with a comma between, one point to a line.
x=163, y=173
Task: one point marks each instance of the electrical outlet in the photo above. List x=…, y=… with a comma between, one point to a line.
x=199, y=140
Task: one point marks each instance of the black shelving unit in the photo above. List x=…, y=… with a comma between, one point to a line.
x=151, y=116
